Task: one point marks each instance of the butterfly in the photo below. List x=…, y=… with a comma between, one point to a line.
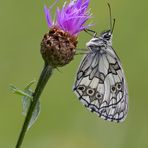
x=100, y=82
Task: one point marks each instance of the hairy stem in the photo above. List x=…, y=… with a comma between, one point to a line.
x=45, y=75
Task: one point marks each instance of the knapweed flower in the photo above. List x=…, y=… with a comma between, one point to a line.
x=57, y=49
x=59, y=44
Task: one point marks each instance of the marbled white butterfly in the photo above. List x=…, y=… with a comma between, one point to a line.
x=100, y=82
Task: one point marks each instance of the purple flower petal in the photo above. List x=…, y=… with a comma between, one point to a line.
x=48, y=16
x=71, y=17
x=78, y=3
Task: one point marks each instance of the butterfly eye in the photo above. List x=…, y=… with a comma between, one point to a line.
x=107, y=36
x=118, y=86
x=113, y=89
x=90, y=92
x=82, y=88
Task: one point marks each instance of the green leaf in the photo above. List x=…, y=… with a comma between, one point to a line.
x=35, y=114
x=19, y=92
x=29, y=85
x=26, y=101
x=26, y=104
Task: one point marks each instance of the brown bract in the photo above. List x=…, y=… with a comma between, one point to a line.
x=58, y=47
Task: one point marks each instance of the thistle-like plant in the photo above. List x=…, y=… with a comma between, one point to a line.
x=58, y=48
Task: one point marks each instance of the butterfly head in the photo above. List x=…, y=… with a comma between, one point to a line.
x=103, y=40
x=106, y=36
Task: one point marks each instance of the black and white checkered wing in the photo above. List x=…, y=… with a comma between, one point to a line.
x=100, y=85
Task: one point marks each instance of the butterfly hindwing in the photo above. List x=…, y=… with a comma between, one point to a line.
x=100, y=85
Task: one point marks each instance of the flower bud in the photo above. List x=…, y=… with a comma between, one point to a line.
x=58, y=47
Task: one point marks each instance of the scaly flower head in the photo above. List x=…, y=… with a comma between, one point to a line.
x=59, y=44
x=71, y=17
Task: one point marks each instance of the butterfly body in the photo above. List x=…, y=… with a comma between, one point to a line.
x=100, y=82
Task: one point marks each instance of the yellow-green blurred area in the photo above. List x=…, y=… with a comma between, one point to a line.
x=63, y=121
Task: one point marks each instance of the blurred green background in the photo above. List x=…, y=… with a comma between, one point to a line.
x=64, y=122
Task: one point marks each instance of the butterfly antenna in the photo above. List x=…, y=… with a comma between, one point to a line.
x=113, y=25
x=110, y=15
x=89, y=31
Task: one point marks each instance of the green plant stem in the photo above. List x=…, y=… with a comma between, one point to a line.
x=45, y=75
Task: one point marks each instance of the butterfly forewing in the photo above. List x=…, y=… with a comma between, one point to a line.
x=100, y=84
